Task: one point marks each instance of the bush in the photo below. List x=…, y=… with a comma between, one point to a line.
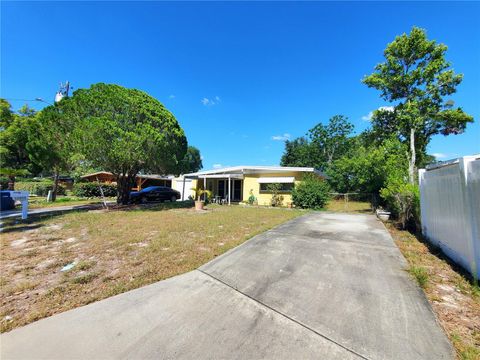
x=38, y=187
x=92, y=189
x=4, y=183
x=311, y=193
x=277, y=199
x=403, y=200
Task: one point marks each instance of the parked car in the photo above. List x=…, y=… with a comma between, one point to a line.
x=154, y=193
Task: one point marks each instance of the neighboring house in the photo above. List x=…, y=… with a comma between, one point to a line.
x=235, y=184
x=142, y=181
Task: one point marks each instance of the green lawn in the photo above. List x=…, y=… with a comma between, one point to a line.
x=114, y=251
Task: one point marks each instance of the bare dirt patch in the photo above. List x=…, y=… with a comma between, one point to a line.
x=110, y=252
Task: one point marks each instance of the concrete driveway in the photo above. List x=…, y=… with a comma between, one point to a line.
x=322, y=286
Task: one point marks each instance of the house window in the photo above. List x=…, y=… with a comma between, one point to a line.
x=283, y=188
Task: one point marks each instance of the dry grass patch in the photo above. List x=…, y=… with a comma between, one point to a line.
x=453, y=296
x=113, y=252
x=350, y=206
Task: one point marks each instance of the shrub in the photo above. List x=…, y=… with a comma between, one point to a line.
x=311, y=193
x=277, y=199
x=4, y=183
x=403, y=200
x=38, y=187
x=92, y=189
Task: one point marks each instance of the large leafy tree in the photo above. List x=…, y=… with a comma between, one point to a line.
x=417, y=78
x=368, y=165
x=298, y=152
x=323, y=144
x=125, y=131
x=51, y=142
x=192, y=162
x=14, y=129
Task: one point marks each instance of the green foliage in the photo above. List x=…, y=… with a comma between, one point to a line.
x=124, y=131
x=311, y=193
x=277, y=198
x=298, y=152
x=192, y=162
x=403, y=200
x=40, y=187
x=367, y=167
x=92, y=189
x=325, y=143
x=14, y=137
x=4, y=182
x=420, y=274
x=417, y=78
x=251, y=198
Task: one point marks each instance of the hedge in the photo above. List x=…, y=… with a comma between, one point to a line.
x=40, y=188
x=91, y=189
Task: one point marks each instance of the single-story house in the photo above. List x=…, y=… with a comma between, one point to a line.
x=236, y=184
x=142, y=181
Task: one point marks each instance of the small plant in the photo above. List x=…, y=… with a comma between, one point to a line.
x=420, y=274
x=277, y=199
x=251, y=198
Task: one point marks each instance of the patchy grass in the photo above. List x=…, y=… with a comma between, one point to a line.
x=113, y=252
x=420, y=274
x=41, y=202
x=454, y=297
x=350, y=206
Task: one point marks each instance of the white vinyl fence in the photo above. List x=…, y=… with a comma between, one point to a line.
x=450, y=208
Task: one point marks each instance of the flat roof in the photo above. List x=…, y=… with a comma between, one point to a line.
x=254, y=170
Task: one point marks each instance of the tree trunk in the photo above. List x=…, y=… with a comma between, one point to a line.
x=125, y=182
x=11, y=183
x=56, y=175
x=412, y=158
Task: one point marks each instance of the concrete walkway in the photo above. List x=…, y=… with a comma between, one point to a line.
x=323, y=286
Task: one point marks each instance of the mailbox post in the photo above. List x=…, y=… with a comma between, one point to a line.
x=21, y=196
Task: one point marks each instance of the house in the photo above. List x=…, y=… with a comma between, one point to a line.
x=141, y=181
x=238, y=183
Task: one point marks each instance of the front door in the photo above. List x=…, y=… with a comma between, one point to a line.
x=237, y=190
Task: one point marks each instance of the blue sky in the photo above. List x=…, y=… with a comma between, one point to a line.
x=239, y=77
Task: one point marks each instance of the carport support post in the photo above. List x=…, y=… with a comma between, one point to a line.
x=229, y=186
x=183, y=189
x=205, y=188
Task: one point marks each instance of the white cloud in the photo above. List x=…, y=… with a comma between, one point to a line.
x=171, y=96
x=217, y=166
x=370, y=114
x=210, y=102
x=439, y=155
x=283, y=137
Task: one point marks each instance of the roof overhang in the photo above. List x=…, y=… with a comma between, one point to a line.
x=244, y=170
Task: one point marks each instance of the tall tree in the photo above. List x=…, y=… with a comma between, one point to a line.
x=323, y=144
x=192, y=162
x=125, y=131
x=297, y=153
x=416, y=77
x=14, y=159
x=51, y=142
